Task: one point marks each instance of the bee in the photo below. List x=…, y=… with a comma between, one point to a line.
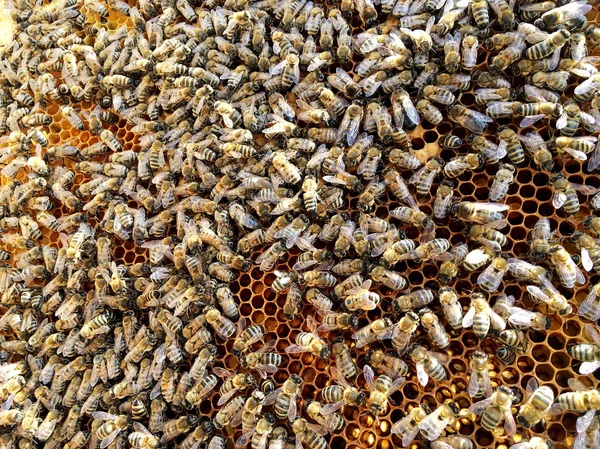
x=482, y=317
x=459, y=164
x=370, y=194
x=330, y=422
x=432, y=426
x=581, y=399
x=284, y=398
x=502, y=181
x=431, y=113
x=538, y=403
x=343, y=358
x=474, y=121
x=533, y=443
x=587, y=352
x=565, y=193
x=333, y=321
x=222, y=326
x=408, y=427
x=540, y=239
x=380, y=390
x=424, y=177
x=470, y=45
x=340, y=395
x=175, y=427
x=537, y=147
x=305, y=435
x=310, y=342
x=388, y=364
x=449, y=269
x=113, y=426
x=72, y=117
x=262, y=360
x=568, y=272
x=348, y=129
x=569, y=121
x=359, y=297
x=590, y=308
x=554, y=41
x=381, y=329
x=489, y=214
x=495, y=409
x=428, y=364
x=245, y=336
x=479, y=381
x=550, y=296
x=434, y=329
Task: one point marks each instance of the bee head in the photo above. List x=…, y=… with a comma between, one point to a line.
x=576, y=235
x=325, y=353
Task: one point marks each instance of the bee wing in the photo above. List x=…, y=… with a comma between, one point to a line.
x=139, y=427
x=417, y=175
x=244, y=438
x=293, y=408
x=104, y=415
x=227, y=396
x=409, y=436
x=304, y=265
x=579, y=276
x=587, y=306
x=272, y=396
x=576, y=385
x=396, y=384
x=295, y=349
x=509, y=422
x=109, y=439
x=369, y=376
x=589, y=367
x=583, y=422
x=339, y=377
x=389, y=332
x=328, y=409
x=586, y=190
x=594, y=160
x=473, y=387
x=422, y=375
x=265, y=370
x=586, y=261
x=520, y=317
x=222, y=372
x=312, y=324
x=492, y=244
x=480, y=406
x=558, y=199
x=468, y=318
x=530, y=120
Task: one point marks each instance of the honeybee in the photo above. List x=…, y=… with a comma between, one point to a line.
x=587, y=352
x=489, y=214
x=528, y=319
x=554, y=41
x=474, y=121
x=343, y=358
x=388, y=364
x=495, y=409
x=533, y=443
x=428, y=364
x=306, y=435
x=491, y=278
x=540, y=239
x=284, y=398
x=382, y=329
x=339, y=395
x=481, y=316
x=432, y=426
x=565, y=193
x=479, y=381
x=310, y=342
x=550, y=296
x=459, y=164
x=502, y=181
x=536, y=146
x=113, y=426
x=443, y=199
x=581, y=399
x=408, y=427
x=380, y=390
x=568, y=272
x=538, y=403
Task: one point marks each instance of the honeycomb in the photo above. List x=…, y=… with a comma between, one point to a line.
x=529, y=198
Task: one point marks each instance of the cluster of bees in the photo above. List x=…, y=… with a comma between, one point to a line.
x=256, y=131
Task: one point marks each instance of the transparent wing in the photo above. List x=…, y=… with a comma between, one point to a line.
x=480, y=406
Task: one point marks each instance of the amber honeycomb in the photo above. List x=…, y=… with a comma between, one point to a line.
x=530, y=200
